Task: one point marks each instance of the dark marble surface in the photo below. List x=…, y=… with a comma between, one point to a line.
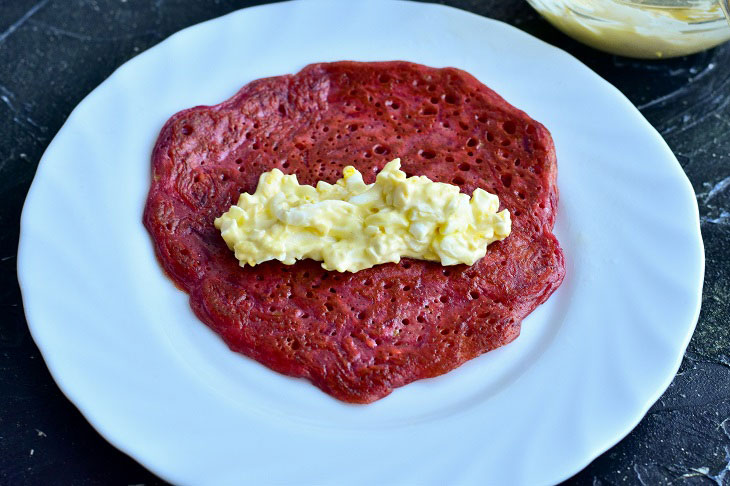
x=54, y=52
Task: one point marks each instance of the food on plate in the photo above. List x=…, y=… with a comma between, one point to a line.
x=351, y=225
x=357, y=336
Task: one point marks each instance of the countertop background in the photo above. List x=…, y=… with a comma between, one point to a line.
x=54, y=52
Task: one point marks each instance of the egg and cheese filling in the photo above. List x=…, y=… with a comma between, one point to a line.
x=350, y=226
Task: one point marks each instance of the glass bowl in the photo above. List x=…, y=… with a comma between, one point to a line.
x=647, y=29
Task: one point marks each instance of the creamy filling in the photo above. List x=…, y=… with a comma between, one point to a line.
x=350, y=226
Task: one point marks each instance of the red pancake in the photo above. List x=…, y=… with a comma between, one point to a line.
x=357, y=336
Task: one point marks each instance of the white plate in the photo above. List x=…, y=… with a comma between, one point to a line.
x=123, y=345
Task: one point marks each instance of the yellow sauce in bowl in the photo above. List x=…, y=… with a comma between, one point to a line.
x=643, y=29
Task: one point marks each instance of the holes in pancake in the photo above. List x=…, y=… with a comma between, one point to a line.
x=445, y=124
x=380, y=149
x=474, y=294
x=483, y=118
x=429, y=111
x=458, y=180
x=434, y=100
x=531, y=129
x=431, y=87
x=472, y=142
x=446, y=272
x=420, y=318
x=517, y=162
x=464, y=167
x=451, y=99
x=285, y=164
x=541, y=205
x=520, y=195
x=407, y=265
x=383, y=78
x=367, y=154
x=427, y=154
x=255, y=146
x=186, y=130
x=329, y=307
x=449, y=158
x=506, y=142
x=490, y=137
x=509, y=127
x=352, y=127
x=392, y=104
x=196, y=178
x=506, y=180
x=282, y=110
x=463, y=125
x=443, y=299
x=299, y=146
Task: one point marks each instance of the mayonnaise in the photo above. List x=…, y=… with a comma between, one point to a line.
x=639, y=28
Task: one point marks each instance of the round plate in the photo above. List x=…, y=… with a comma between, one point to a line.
x=122, y=343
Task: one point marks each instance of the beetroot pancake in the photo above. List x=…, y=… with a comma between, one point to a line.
x=357, y=336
